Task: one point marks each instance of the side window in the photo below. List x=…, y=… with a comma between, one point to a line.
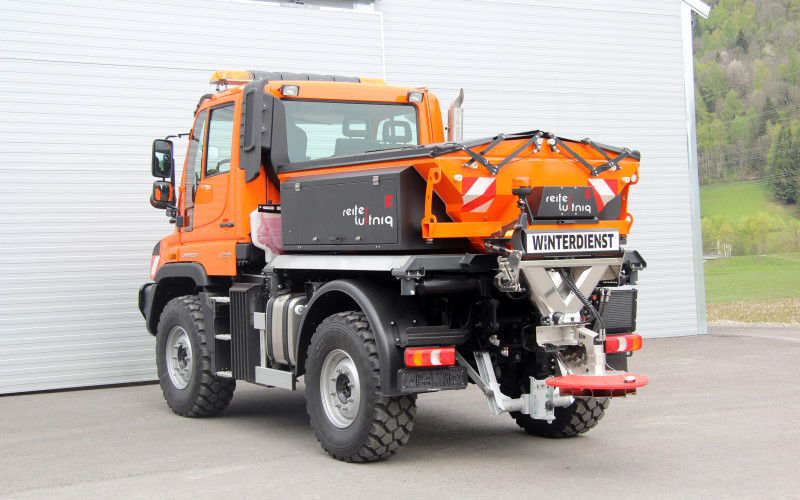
x=220, y=138
x=194, y=159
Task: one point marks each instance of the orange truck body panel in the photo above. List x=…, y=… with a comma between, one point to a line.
x=228, y=200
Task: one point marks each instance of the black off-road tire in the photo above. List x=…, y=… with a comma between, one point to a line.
x=579, y=417
x=366, y=426
x=184, y=363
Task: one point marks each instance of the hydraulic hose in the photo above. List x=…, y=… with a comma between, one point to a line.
x=567, y=277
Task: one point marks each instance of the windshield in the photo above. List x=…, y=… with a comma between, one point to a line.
x=321, y=129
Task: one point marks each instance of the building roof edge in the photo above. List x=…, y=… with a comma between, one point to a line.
x=698, y=6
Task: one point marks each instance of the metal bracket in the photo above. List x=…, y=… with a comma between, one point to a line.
x=498, y=402
x=507, y=280
x=408, y=281
x=539, y=403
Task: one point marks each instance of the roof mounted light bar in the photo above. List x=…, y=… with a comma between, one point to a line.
x=227, y=77
x=231, y=78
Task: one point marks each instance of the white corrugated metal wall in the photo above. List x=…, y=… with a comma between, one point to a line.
x=87, y=86
x=94, y=83
x=612, y=70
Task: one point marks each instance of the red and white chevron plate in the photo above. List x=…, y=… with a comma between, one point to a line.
x=605, y=190
x=477, y=193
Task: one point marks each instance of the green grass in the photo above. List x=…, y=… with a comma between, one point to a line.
x=753, y=288
x=753, y=277
x=741, y=199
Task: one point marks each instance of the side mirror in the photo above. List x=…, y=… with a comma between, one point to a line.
x=163, y=195
x=163, y=161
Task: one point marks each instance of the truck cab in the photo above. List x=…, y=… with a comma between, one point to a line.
x=310, y=120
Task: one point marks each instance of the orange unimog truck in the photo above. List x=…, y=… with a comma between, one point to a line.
x=326, y=228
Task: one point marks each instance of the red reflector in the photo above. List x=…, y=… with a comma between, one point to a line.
x=623, y=343
x=417, y=357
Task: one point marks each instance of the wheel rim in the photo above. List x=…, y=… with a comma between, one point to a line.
x=179, y=357
x=340, y=388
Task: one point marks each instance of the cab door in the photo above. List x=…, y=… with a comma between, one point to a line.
x=211, y=197
x=193, y=167
x=208, y=235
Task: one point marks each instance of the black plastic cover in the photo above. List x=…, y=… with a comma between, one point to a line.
x=245, y=342
x=368, y=210
x=439, y=379
x=256, y=128
x=619, y=314
x=562, y=202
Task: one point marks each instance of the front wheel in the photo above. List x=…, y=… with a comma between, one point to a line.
x=351, y=419
x=184, y=363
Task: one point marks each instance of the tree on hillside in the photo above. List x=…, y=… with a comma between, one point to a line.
x=747, y=69
x=784, y=162
x=753, y=232
x=768, y=114
x=794, y=231
x=738, y=77
x=718, y=233
x=741, y=41
x=731, y=106
x=711, y=82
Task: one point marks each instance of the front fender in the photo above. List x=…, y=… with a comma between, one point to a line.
x=172, y=280
x=146, y=294
x=388, y=314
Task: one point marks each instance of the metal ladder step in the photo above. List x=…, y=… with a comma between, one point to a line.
x=221, y=299
x=223, y=336
x=225, y=374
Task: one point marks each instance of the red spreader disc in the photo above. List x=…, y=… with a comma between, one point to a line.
x=605, y=386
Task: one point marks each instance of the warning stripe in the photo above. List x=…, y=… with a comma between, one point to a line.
x=479, y=193
x=604, y=191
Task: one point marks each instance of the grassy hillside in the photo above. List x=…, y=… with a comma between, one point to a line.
x=741, y=200
x=752, y=288
x=744, y=218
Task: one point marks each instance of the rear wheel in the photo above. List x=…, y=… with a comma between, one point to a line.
x=183, y=361
x=351, y=419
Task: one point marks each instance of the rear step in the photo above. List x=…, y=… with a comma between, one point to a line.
x=613, y=384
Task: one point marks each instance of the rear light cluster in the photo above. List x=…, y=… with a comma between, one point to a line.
x=623, y=343
x=420, y=357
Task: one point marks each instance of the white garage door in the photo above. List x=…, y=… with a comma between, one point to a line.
x=86, y=87
x=612, y=70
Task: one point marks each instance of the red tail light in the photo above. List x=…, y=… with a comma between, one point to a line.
x=418, y=357
x=623, y=343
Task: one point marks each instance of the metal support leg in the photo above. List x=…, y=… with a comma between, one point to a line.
x=485, y=379
x=539, y=403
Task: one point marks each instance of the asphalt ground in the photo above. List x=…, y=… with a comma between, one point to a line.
x=720, y=419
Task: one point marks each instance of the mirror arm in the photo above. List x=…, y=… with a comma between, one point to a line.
x=178, y=136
